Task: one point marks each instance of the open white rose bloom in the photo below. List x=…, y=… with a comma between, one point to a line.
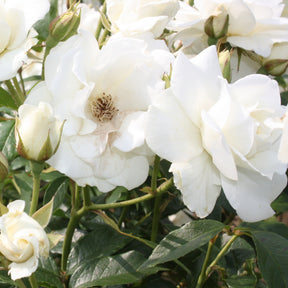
x=22, y=240
x=137, y=16
x=219, y=134
x=253, y=25
x=16, y=19
x=103, y=96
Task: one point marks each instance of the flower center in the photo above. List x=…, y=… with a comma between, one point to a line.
x=102, y=108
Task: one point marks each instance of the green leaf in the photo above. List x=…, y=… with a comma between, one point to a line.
x=57, y=189
x=5, y=279
x=6, y=100
x=112, y=270
x=48, y=279
x=54, y=239
x=42, y=26
x=182, y=241
x=24, y=186
x=241, y=282
x=280, y=204
x=102, y=242
x=7, y=139
x=43, y=215
x=3, y=209
x=272, y=257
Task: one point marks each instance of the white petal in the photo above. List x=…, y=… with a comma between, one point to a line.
x=188, y=78
x=131, y=132
x=216, y=145
x=199, y=183
x=33, y=10
x=169, y=132
x=253, y=193
x=16, y=206
x=22, y=270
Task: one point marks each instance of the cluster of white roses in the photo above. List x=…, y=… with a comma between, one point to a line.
x=119, y=112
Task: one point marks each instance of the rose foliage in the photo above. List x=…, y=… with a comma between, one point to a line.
x=144, y=143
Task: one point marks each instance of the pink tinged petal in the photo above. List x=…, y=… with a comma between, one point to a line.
x=188, y=78
x=169, y=132
x=131, y=132
x=253, y=193
x=216, y=145
x=199, y=183
x=234, y=121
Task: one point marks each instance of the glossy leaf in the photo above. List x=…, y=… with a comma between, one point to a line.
x=112, y=270
x=272, y=257
x=180, y=242
x=57, y=189
x=7, y=139
x=6, y=100
x=241, y=282
x=92, y=246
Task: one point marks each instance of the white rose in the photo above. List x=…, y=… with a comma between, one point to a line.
x=37, y=132
x=16, y=19
x=103, y=95
x=132, y=17
x=253, y=25
x=22, y=240
x=219, y=134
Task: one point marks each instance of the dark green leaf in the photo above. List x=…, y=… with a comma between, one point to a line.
x=5, y=279
x=241, y=282
x=180, y=242
x=7, y=139
x=114, y=270
x=280, y=204
x=272, y=257
x=91, y=246
x=6, y=99
x=57, y=188
x=25, y=186
x=48, y=279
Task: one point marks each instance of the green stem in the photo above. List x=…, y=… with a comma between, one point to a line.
x=155, y=174
x=20, y=283
x=22, y=83
x=202, y=276
x=157, y=202
x=221, y=254
x=122, y=216
x=103, y=38
x=73, y=223
x=36, y=169
x=86, y=196
x=160, y=190
x=33, y=281
x=12, y=92
x=100, y=24
x=19, y=91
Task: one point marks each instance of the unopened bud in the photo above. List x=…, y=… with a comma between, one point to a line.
x=37, y=132
x=276, y=63
x=224, y=61
x=65, y=25
x=3, y=167
x=216, y=26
